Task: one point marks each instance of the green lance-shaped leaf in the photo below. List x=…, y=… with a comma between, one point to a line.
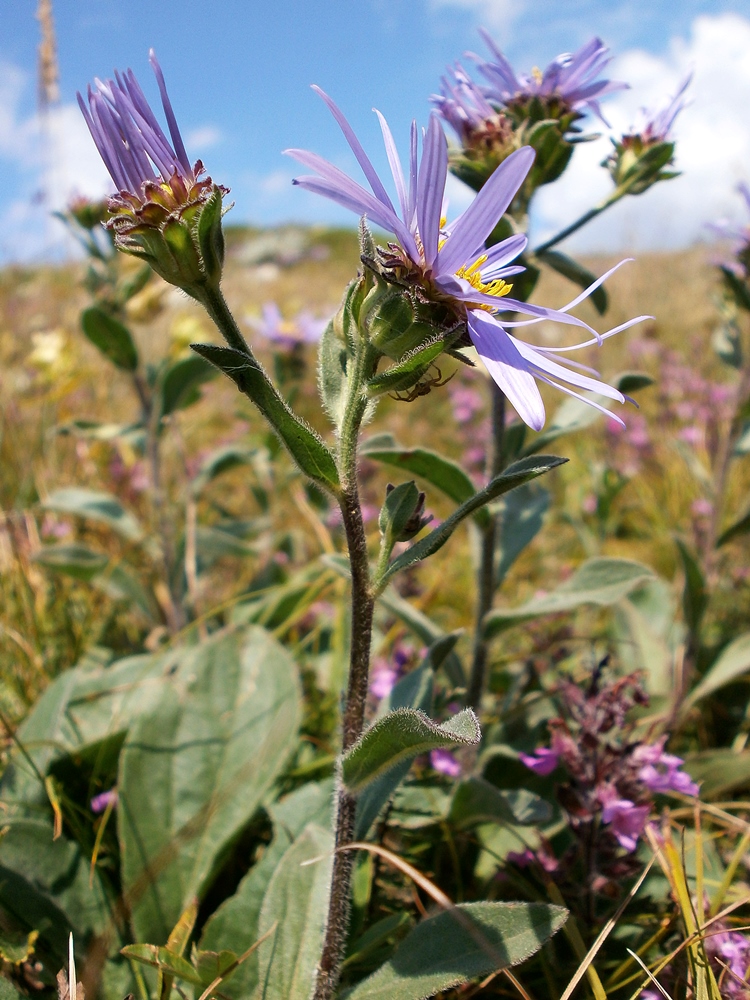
x=521, y=517
x=401, y=735
x=439, y=471
x=303, y=444
x=218, y=462
x=111, y=337
x=430, y=634
x=332, y=365
x=515, y=475
x=44, y=885
x=694, y=595
x=575, y=414
x=732, y=663
x=742, y=526
x=408, y=371
x=415, y=691
x=74, y=560
x=739, y=288
x=180, y=383
x=576, y=273
x=467, y=941
x=719, y=772
x=95, y=506
x=599, y=581
x=166, y=961
x=478, y=801
x=297, y=902
x=194, y=770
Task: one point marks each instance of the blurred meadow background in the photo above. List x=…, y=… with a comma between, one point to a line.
x=131, y=525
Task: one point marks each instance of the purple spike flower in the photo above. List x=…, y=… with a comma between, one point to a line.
x=450, y=264
x=157, y=187
x=571, y=79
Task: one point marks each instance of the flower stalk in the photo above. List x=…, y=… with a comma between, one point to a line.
x=362, y=608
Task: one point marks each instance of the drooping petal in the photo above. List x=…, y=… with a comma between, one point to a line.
x=507, y=367
x=470, y=231
x=536, y=359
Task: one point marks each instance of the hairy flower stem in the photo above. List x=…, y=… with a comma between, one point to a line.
x=215, y=304
x=592, y=213
x=486, y=576
x=363, y=604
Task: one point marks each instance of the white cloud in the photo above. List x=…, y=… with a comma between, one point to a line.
x=55, y=158
x=202, y=137
x=713, y=145
x=491, y=13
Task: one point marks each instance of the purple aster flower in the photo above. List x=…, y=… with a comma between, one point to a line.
x=659, y=123
x=303, y=329
x=158, y=189
x=627, y=821
x=570, y=78
x=445, y=762
x=104, y=800
x=128, y=136
x=543, y=761
x=450, y=262
x=462, y=104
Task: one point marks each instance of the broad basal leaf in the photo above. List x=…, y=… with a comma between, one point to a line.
x=193, y=772
x=470, y=940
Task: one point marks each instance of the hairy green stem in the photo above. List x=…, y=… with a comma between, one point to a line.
x=216, y=306
x=486, y=576
x=362, y=607
x=592, y=213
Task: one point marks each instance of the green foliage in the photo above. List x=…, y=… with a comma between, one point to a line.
x=94, y=505
x=399, y=735
x=229, y=725
x=435, y=469
x=601, y=582
x=304, y=445
x=111, y=336
x=296, y=901
x=465, y=942
x=515, y=475
x=180, y=381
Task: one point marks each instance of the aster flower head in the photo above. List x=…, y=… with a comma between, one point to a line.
x=640, y=157
x=287, y=334
x=739, y=265
x=570, y=83
x=443, y=270
x=165, y=211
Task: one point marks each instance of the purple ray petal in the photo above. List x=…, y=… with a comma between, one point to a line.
x=433, y=171
x=471, y=230
x=367, y=168
x=507, y=367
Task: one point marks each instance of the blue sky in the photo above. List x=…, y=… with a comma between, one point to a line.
x=239, y=76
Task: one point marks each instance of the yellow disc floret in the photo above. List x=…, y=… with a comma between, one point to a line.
x=497, y=287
